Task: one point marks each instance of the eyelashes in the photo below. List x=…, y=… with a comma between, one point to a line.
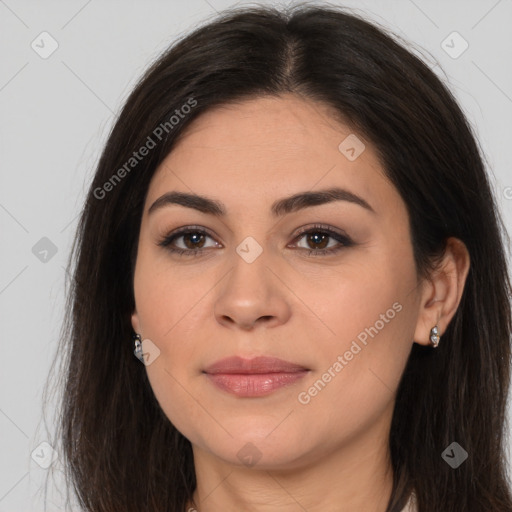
x=317, y=234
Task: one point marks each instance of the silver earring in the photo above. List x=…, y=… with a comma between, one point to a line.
x=434, y=336
x=138, y=347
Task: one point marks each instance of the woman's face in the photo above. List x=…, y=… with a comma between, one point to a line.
x=261, y=288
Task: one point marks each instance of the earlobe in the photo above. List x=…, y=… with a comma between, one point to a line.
x=442, y=294
x=428, y=315
x=135, y=322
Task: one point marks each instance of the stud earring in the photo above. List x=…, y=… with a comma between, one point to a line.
x=138, y=347
x=434, y=336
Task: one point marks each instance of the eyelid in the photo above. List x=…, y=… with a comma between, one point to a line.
x=187, y=229
x=339, y=235
x=321, y=227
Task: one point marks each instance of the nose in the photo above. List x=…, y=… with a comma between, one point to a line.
x=252, y=295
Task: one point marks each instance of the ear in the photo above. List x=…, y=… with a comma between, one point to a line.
x=441, y=294
x=135, y=321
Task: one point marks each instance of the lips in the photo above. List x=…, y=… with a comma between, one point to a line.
x=257, y=365
x=254, y=377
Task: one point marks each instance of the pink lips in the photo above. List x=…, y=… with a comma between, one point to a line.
x=253, y=377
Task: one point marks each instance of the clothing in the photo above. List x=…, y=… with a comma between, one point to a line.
x=411, y=505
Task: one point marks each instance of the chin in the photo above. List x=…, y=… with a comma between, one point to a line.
x=260, y=447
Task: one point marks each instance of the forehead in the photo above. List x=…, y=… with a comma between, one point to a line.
x=268, y=147
x=283, y=125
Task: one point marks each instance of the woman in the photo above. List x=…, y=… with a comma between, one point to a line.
x=292, y=229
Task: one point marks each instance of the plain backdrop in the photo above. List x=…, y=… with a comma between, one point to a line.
x=55, y=113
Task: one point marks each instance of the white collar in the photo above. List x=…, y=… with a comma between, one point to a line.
x=411, y=505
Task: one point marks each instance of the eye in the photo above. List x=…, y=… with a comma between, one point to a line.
x=319, y=235
x=193, y=240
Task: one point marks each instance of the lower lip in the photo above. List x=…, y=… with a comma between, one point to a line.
x=255, y=384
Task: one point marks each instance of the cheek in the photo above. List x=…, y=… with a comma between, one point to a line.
x=167, y=296
x=167, y=306
x=371, y=321
x=363, y=300
x=354, y=385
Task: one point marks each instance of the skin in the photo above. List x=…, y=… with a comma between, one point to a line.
x=331, y=453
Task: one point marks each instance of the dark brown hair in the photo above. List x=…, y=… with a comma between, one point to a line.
x=121, y=452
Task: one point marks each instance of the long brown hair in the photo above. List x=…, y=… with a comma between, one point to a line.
x=121, y=452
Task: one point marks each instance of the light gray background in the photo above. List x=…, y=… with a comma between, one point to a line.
x=56, y=113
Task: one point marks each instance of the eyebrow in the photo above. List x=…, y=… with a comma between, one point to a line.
x=279, y=208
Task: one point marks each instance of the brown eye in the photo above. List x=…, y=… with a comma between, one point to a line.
x=320, y=240
x=319, y=237
x=193, y=241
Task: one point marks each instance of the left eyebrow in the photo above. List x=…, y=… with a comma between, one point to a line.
x=279, y=208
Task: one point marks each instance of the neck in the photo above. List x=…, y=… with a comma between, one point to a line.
x=355, y=476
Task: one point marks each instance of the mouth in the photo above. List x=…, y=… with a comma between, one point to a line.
x=255, y=377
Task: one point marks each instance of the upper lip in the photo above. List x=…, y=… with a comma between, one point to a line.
x=262, y=364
